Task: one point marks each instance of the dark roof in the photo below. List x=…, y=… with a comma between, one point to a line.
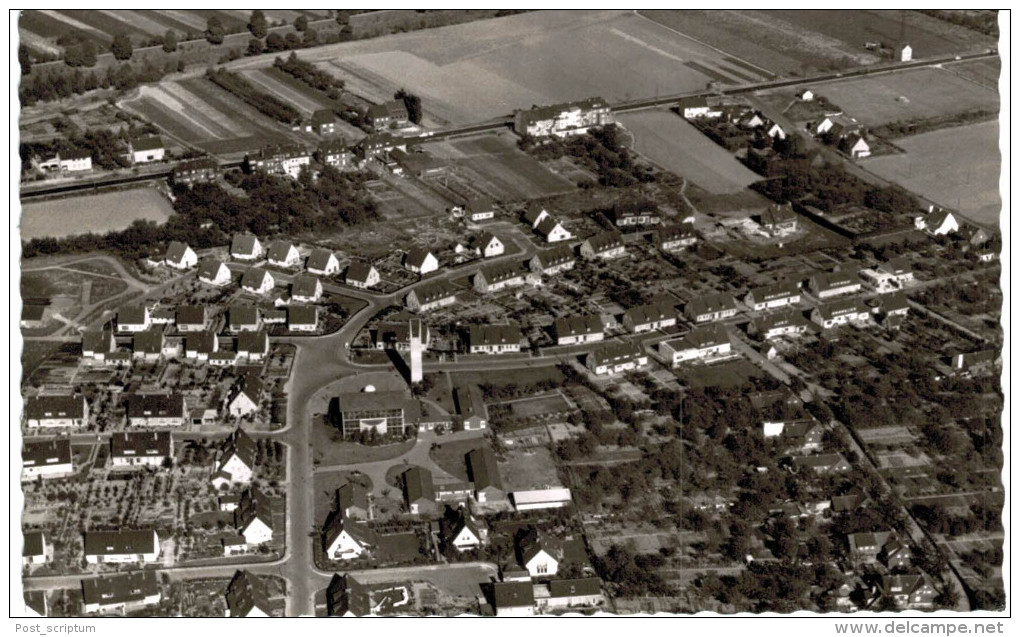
x=118, y=542
x=332, y=147
x=778, y=214
x=75, y=153
x=674, y=232
x=131, y=315
x=895, y=301
x=484, y=469
x=302, y=315
x=242, y=244
x=494, y=334
x=574, y=325
x=242, y=315
x=501, y=272
x=323, y=116
x=615, y=352
x=775, y=291
x=117, y=589
x=33, y=543
x=335, y=524
x=32, y=312
x=241, y=445
x=555, y=256
x=359, y=271
x=202, y=163
x=208, y=268
x=434, y=290
x=897, y=266
x=36, y=600
x=140, y=443
x=696, y=101
x=712, y=303
x=278, y=250
x=49, y=452
x=832, y=280
x=245, y=592
x=821, y=460
x=175, y=251
x=775, y=320
x=147, y=143
x=304, y=285
x=252, y=341
x=547, y=225
x=416, y=256
x=155, y=405
x=66, y=406
x=538, y=113
x=512, y=594
x=479, y=204
x=253, y=278
x=191, y=315
x=575, y=587
x=352, y=494
x=148, y=342
x=643, y=314
x=839, y=308
x=319, y=259
x=253, y=505
x=418, y=485
x=250, y=385
x=203, y=342
x=706, y=336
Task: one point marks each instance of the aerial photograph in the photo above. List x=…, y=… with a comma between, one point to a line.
x=505, y=313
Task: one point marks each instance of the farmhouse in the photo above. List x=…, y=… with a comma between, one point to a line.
x=283, y=254
x=479, y=209
x=121, y=547
x=781, y=323
x=57, y=411
x=48, y=459
x=345, y=539
x=236, y=463
x=74, y=160
x=498, y=276
x=606, y=245
x=306, y=288
x=120, y=593
x=352, y=501
x=243, y=399
x=431, y=295
x=697, y=107
x=471, y=407
x=646, y=318
x=711, y=307
x=257, y=281
x=806, y=435
x=334, y=153
x=838, y=313
x=199, y=345
x=822, y=463
x=779, y=220
x=494, y=339
x=180, y=256
x=146, y=149
x=361, y=274
x=699, y=343
x=615, y=358
x=420, y=260
x=133, y=319
x=157, y=410
x=191, y=318
x=141, y=449
x=419, y=491
x=302, y=318
x=214, y=272
x=563, y=120
x=245, y=247
x=196, y=171
x=280, y=160
x=253, y=517
x=553, y=260
x=675, y=238
x=829, y=284
x=484, y=473
x=773, y=296
x=572, y=330
x=247, y=596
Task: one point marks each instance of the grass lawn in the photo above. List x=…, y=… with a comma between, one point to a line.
x=330, y=449
x=730, y=374
x=531, y=469
x=450, y=456
x=507, y=376
x=34, y=353
x=539, y=406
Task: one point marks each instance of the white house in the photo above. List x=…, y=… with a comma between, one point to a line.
x=345, y=539
x=498, y=276
x=283, y=254
x=362, y=275
x=180, y=256
x=699, y=343
x=607, y=245
x=479, y=209
x=141, y=449
x=775, y=131
x=855, y=145
x=322, y=262
x=306, y=288
x=826, y=285
x=253, y=517
x=573, y=330
x=491, y=245
x=253, y=345
x=46, y=460
x=56, y=411
x=462, y=533
x=494, y=339
x=121, y=547
x=73, y=161
x=807, y=95
x=616, y=358
x=120, y=593
x=257, y=281
x=553, y=231
x=243, y=399
x=200, y=345
x=513, y=599
x=133, y=319
x=147, y=149
x=839, y=313
x=937, y=222
x=772, y=296
x=431, y=295
x=214, y=272
x=553, y=261
x=245, y=247
x=302, y=318
x=236, y=463
x=421, y=260
x=541, y=556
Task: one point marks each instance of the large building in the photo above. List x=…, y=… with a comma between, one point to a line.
x=563, y=120
x=47, y=459
x=700, y=343
x=385, y=412
x=121, y=547
x=281, y=160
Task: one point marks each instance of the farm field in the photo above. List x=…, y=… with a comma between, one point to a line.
x=94, y=213
x=673, y=143
x=984, y=72
x=929, y=92
x=494, y=166
x=100, y=25
x=966, y=179
x=534, y=58
x=200, y=113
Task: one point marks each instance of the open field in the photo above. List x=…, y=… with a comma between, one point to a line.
x=92, y=213
x=480, y=70
x=966, y=179
x=531, y=469
x=101, y=25
x=984, y=72
x=929, y=92
x=493, y=165
x=673, y=143
x=300, y=96
x=551, y=403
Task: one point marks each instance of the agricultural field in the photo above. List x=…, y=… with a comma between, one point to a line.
x=916, y=94
x=966, y=179
x=44, y=26
x=93, y=213
x=293, y=92
x=522, y=60
x=668, y=140
x=201, y=114
x=984, y=72
x=492, y=165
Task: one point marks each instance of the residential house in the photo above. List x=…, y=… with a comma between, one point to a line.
x=352, y=501
x=157, y=410
x=419, y=491
x=214, y=272
x=711, y=307
x=563, y=120
x=939, y=222
x=694, y=107
x=552, y=230
x=903, y=52
x=458, y=529
x=615, y=358
x=285, y=161
x=121, y=547
x=141, y=449
x=420, y=260
x=245, y=247
x=120, y=593
x=253, y=346
x=570, y=593
x=36, y=604
x=606, y=245
x=257, y=281
x=236, y=462
x=646, y=318
x=196, y=171
x=65, y=410
x=306, y=288
x=627, y=215
x=806, y=95
x=243, y=399
x=345, y=539
x=323, y=122
x=283, y=254
x=675, y=238
x=573, y=330
x=879, y=546
x=838, y=313
x=806, y=435
x=379, y=144
x=895, y=304
x=247, y=596
x=826, y=285
x=431, y=295
x=698, y=344
x=471, y=407
x=535, y=214
x=191, y=318
x=200, y=345
x=752, y=120
x=484, y=473
x=822, y=463
x=74, y=160
x=336, y=154
x=393, y=112
x=180, y=256
x=36, y=549
x=243, y=318
x=133, y=318
x=498, y=276
x=146, y=149
x=913, y=591
x=494, y=339
x=855, y=145
x=148, y=345
x=770, y=297
x=490, y=245
x=47, y=459
x=361, y=274
x=788, y=322
x=538, y=553
x=253, y=517
x=553, y=261
x=774, y=130
x=479, y=209
x=302, y=318
x=513, y=599
x=978, y=361
x=322, y=262
x=779, y=220
x=97, y=345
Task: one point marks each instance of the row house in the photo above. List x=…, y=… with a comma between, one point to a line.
x=120, y=593
x=57, y=411
x=97, y=345
x=698, y=344
x=280, y=160
x=627, y=216
x=563, y=120
x=675, y=238
x=574, y=330
x=379, y=144
x=200, y=345
x=494, y=339
x=838, y=313
x=121, y=547
x=711, y=307
x=647, y=318
x=157, y=410
x=151, y=345
x=141, y=449
x=616, y=358
x=46, y=460
x=243, y=318
x=553, y=261
x=829, y=284
x=191, y=318
x=606, y=245
x=134, y=318
x=772, y=296
x=196, y=171
x=499, y=276
x=783, y=323
x=431, y=295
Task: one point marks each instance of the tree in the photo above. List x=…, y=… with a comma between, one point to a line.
x=257, y=25
x=121, y=47
x=255, y=47
x=275, y=43
x=301, y=23
x=169, y=41
x=412, y=103
x=83, y=54
x=214, y=31
x=24, y=59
